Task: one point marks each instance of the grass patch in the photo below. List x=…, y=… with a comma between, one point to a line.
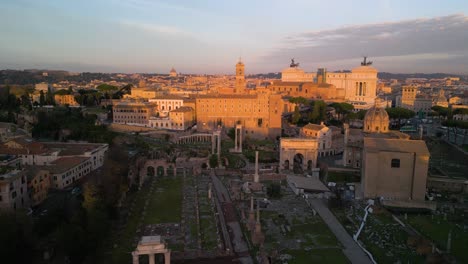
x=323, y=256
x=165, y=204
x=437, y=229
x=124, y=243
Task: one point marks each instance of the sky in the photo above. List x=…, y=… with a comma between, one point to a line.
x=209, y=36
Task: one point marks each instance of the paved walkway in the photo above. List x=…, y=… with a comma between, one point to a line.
x=236, y=236
x=354, y=253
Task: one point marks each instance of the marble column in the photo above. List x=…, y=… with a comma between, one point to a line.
x=151, y=259
x=219, y=147
x=167, y=258
x=235, y=140
x=240, y=140
x=213, y=144
x=135, y=258
x=256, y=167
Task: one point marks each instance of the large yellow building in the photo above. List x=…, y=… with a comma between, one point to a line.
x=65, y=99
x=133, y=113
x=259, y=114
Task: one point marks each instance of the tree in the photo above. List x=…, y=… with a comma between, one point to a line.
x=319, y=112
x=213, y=161
x=296, y=117
x=41, y=98
x=232, y=133
x=274, y=190
x=400, y=113
x=440, y=110
x=342, y=109
x=298, y=100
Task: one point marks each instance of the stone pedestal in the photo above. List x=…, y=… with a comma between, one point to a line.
x=151, y=245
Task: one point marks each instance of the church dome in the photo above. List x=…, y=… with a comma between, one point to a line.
x=376, y=120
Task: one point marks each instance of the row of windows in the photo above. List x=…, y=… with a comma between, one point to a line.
x=167, y=124
x=131, y=110
x=130, y=117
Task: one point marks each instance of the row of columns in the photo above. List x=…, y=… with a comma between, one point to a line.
x=194, y=139
x=151, y=257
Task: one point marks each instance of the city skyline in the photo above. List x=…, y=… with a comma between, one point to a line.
x=208, y=37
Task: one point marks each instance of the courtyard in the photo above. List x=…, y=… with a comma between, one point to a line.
x=446, y=160
x=386, y=239
x=296, y=234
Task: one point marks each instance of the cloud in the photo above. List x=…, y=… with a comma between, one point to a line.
x=412, y=41
x=155, y=28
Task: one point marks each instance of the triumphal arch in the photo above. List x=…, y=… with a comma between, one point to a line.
x=298, y=154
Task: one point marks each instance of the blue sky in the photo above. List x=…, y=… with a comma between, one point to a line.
x=208, y=36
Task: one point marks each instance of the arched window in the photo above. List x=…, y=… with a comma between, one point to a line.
x=364, y=89
x=360, y=88
x=395, y=163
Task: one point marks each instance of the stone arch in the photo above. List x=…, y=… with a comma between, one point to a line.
x=150, y=171
x=160, y=171
x=295, y=153
x=298, y=163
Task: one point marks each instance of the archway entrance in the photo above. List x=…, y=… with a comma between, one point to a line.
x=150, y=171
x=160, y=171
x=298, y=162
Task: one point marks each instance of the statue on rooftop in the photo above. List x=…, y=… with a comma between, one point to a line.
x=365, y=62
x=293, y=64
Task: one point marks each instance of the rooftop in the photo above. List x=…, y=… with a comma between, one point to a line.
x=395, y=145
x=64, y=164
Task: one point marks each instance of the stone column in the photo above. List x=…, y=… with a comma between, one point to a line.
x=240, y=141
x=219, y=147
x=135, y=258
x=167, y=258
x=235, y=139
x=151, y=259
x=213, y=143
x=256, y=167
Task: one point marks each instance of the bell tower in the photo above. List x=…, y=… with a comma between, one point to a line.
x=240, y=77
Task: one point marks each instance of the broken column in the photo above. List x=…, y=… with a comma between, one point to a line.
x=251, y=222
x=256, y=167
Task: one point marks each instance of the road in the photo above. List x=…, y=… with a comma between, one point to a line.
x=351, y=249
x=229, y=216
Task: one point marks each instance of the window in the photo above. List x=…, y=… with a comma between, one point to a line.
x=395, y=163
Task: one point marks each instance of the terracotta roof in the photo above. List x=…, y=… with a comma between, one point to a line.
x=281, y=83
x=71, y=149
x=314, y=127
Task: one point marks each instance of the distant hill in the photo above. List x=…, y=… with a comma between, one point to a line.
x=403, y=76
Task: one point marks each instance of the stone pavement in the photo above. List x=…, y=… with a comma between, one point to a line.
x=354, y=253
x=235, y=231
